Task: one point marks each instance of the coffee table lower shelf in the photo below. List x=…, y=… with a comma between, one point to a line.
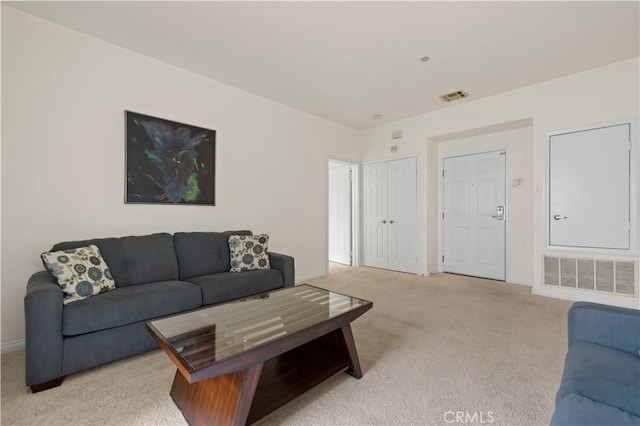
x=246, y=396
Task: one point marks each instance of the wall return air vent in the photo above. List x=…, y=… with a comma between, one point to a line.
x=602, y=275
x=454, y=96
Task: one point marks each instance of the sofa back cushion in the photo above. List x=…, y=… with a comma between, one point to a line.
x=135, y=259
x=203, y=253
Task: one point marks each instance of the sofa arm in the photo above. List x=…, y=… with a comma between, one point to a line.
x=43, y=329
x=617, y=328
x=285, y=265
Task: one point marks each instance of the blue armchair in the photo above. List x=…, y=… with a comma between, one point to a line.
x=601, y=379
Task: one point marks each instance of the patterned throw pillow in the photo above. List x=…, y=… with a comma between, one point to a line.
x=80, y=272
x=249, y=252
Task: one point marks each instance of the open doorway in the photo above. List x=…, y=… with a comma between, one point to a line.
x=341, y=212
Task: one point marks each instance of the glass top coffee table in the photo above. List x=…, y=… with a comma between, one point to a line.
x=239, y=361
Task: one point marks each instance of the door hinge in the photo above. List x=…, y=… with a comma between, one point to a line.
x=442, y=172
x=442, y=215
x=443, y=258
x=629, y=145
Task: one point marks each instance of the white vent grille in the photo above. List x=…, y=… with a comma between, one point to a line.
x=609, y=276
x=453, y=96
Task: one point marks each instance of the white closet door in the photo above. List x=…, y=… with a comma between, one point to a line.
x=376, y=239
x=402, y=215
x=474, y=229
x=589, y=188
x=390, y=215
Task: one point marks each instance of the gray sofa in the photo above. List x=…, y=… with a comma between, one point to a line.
x=601, y=379
x=156, y=275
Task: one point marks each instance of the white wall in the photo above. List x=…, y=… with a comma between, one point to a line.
x=63, y=97
x=599, y=95
x=63, y=101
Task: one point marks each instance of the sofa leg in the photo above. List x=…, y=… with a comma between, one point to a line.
x=47, y=385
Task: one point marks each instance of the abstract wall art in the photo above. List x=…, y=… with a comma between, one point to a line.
x=168, y=162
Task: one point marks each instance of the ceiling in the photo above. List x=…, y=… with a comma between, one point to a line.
x=348, y=61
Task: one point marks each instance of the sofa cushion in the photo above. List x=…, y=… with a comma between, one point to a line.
x=130, y=304
x=203, y=253
x=574, y=410
x=225, y=286
x=249, y=252
x=135, y=259
x=602, y=374
x=611, y=326
x=89, y=350
x=80, y=272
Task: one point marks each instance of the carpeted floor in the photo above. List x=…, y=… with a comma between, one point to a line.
x=431, y=347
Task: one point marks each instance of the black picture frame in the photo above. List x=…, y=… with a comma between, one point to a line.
x=168, y=162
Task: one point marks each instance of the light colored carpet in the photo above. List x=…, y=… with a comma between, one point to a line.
x=430, y=347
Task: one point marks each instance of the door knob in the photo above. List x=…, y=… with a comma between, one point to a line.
x=500, y=213
x=391, y=221
x=558, y=217
x=384, y=221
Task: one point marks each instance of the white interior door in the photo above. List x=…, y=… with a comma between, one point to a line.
x=589, y=182
x=376, y=239
x=402, y=215
x=474, y=215
x=390, y=215
x=340, y=212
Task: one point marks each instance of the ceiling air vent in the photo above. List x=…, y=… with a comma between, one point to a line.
x=453, y=96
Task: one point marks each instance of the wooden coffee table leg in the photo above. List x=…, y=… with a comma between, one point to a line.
x=220, y=400
x=350, y=344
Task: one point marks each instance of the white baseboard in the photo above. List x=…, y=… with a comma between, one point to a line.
x=304, y=279
x=519, y=283
x=12, y=346
x=578, y=295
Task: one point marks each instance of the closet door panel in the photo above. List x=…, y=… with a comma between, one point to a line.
x=589, y=183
